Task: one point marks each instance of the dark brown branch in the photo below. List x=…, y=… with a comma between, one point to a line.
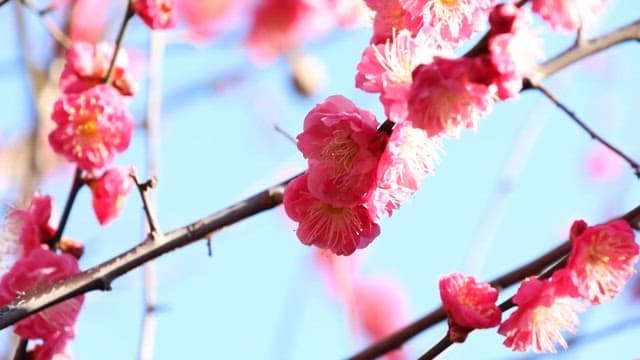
x=437, y=349
x=634, y=165
x=534, y=267
x=123, y=28
x=77, y=184
x=101, y=276
x=586, y=48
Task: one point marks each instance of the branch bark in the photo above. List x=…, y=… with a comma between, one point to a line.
x=101, y=276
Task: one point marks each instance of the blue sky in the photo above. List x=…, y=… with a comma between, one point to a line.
x=259, y=296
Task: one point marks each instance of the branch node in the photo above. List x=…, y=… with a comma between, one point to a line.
x=143, y=189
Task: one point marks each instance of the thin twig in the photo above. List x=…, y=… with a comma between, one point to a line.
x=53, y=29
x=438, y=348
x=152, y=129
x=76, y=185
x=123, y=28
x=634, y=165
x=4, y=2
x=143, y=189
x=284, y=133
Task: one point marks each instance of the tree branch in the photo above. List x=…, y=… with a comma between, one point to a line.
x=634, y=165
x=396, y=339
x=101, y=276
x=584, y=49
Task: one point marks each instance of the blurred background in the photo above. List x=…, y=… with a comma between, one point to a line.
x=501, y=195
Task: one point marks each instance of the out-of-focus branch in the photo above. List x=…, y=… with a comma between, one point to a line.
x=53, y=29
x=152, y=127
x=634, y=165
x=123, y=28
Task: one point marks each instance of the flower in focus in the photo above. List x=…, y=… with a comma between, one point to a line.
x=568, y=15
x=343, y=146
x=444, y=100
x=157, y=14
x=513, y=49
x=387, y=69
x=469, y=304
x=602, y=259
x=409, y=155
x=87, y=65
x=544, y=310
x=37, y=269
x=30, y=227
x=109, y=193
x=451, y=20
x=92, y=126
x=390, y=17
x=339, y=229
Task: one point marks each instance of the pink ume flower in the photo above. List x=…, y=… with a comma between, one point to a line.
x=110, y=193
x=157, y=14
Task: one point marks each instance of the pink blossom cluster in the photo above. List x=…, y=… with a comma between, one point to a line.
x=93, y=122
x=39, y=265
x=356, y=175
x=600, y=263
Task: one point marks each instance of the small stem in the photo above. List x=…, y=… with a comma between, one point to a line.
x=77, y=184
x=284, y=133
x=634, y=165
x=143, y=189
x=437, y=349
x=125, y=21
x=21, y=350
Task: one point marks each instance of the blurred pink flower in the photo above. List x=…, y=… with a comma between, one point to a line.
x=339, y=229
x=206, y=19
x=157, y=14
x=602, y=259
x=89, y=29
x=343, y=146
x=568, y=15
x=382, y=308
x=110, y=193
x=37, y=269
x=87, y=66
x=443, y=100
x=544, y=310
x=282, y=25
x=92, y=126
x=603, y=164
x=409, y=155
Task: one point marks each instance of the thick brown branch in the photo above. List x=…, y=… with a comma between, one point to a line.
x=101, y=276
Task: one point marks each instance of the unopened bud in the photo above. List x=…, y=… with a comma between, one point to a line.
x=71, y=246
x=307, y=73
